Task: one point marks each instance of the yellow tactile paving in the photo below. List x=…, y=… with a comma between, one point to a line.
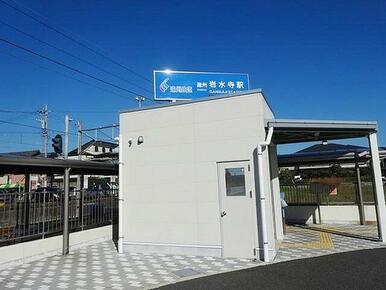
x=325, y=242
x=359, y=230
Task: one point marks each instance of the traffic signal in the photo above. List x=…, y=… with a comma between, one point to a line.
x=57, y=144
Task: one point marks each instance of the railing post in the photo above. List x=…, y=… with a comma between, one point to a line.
x=360, y=195
x=318, y=202
x=44, y=212
x=81, y=207
x=26, y=217
x=66, y=232
x=17, y=204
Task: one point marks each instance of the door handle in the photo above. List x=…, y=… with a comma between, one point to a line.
x=223, y=214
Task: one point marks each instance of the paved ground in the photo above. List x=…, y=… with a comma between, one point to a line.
x=350, y=270
x=304, y=243
x=367, y=231
x=101, y=267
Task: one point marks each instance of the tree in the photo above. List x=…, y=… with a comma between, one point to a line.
x=286, y=176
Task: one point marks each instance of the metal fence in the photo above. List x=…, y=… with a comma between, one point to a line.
x=35, y=215
x=307, y=194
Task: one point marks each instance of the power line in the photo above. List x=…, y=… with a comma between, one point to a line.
x=85, y=112
x=16, y=112
x=107, y=135
x=18, y=143
x=69, y=77
x=101, y=127
x=68, y=67
x=69, y=37
x=23, y=133
x=30, y=126
x=87, y=135
x=19, y=124
x=72, y=55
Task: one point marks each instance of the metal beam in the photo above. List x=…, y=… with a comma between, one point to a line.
x=120, y=197
x=295, y=131
x=66, y=124
x=100, y=128
x=26, y=182
x=378, y=186
x=360, y=195
x=324, y=125
x=17, y=164
x=66, y=231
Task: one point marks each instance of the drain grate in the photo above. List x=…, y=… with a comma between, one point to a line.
x=187, y=272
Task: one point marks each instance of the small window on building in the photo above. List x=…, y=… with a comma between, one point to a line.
x=96, y=149
x=235, y=181
x=111, y=149
x=103, y=149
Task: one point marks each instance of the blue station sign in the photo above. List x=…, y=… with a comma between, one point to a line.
x=182, y=85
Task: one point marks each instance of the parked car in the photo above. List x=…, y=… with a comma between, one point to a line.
x=2, y=202
x=51, y=194
x=5, y=197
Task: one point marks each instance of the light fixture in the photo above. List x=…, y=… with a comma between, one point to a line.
x=140, y=139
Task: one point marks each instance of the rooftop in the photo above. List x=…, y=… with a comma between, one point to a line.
x=211, y=98
x=287, y=131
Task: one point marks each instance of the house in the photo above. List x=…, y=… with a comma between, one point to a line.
x=96, y=149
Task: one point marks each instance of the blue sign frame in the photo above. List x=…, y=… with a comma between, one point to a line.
x=185, y=85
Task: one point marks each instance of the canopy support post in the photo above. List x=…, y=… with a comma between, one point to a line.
x=361, y=207
x=378, y=187
x=66, y=232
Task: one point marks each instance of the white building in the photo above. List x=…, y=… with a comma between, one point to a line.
x=200, y=177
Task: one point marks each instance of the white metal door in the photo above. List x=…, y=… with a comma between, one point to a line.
x=236, y=209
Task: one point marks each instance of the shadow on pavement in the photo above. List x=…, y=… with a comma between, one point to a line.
x=350, y=270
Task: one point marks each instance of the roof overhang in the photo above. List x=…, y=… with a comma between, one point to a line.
x=25, y=165
x=297, y=131
x=198, y=100
x=325, y=159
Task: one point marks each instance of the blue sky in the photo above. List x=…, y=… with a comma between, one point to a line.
x=313, y=59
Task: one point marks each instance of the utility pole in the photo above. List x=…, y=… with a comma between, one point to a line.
x=66, y=181
x=80, y=177
x=140, y=99
x=80, y=135
x=66, y=125
x=43, y=119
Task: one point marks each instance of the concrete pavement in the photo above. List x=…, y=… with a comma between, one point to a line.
x=362, y=269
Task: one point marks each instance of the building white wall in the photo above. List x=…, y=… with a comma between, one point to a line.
x=348, y=214
x=170, y=182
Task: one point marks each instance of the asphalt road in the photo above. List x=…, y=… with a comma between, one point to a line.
x=365, y=269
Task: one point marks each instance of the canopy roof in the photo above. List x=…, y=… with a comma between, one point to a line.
x=23, y=165
x=328, y=154
x=297, y=131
